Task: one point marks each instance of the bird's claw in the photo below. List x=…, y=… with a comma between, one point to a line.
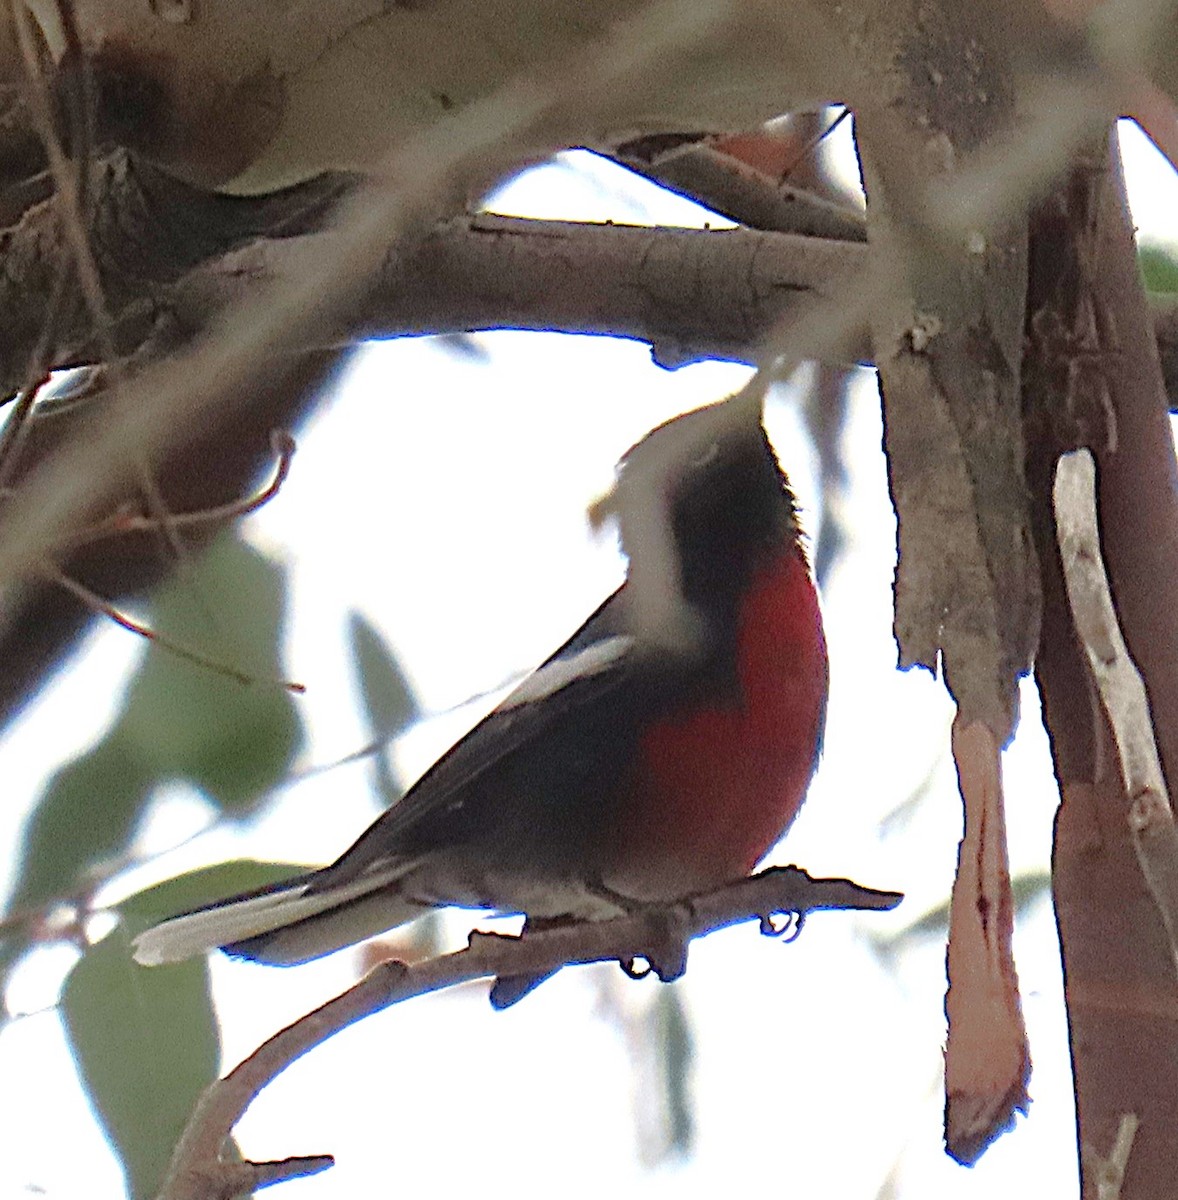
x=667, y=955
x=784, y=925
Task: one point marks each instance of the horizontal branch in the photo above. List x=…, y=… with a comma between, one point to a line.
x=690, y=293
x=174, y=257
x=658, y=934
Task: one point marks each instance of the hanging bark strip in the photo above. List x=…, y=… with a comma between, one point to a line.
x=987, y=1062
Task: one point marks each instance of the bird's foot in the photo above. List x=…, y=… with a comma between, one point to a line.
x=666, y=934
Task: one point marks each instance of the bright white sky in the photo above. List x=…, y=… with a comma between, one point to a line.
x=445, y=497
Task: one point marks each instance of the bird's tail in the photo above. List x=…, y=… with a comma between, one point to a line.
x=290, y=923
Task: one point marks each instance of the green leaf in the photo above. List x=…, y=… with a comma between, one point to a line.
x=180, y=720
x=388, y=699
x=1159, y=269
x=145, y=1039
x=232, y=739
x=389, y=703
x=146, y=1044
x=86, y=814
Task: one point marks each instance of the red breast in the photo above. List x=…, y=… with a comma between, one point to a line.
x=717, y=787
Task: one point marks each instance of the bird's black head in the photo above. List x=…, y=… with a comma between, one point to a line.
x=701, y=503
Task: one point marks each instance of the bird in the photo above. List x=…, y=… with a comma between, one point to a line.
x=661, y=751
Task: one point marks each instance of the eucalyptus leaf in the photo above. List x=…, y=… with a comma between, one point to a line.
x=86, y=815
x=676, y=1051
x=146, y=1044
x=180, y=720
x=231, y=738
x=389, y=703
x=1159, y=269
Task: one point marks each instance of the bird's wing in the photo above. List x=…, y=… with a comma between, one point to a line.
x=592, y=663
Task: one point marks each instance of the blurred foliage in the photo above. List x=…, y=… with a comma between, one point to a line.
x=85, y=817
x=1159, y=269
x=389, y=703
x=145, y=1040
x=388, y=700
x=676, y=1058
x=232, y=740
x=146, y=1044
x=390, y=707
x=179, y=721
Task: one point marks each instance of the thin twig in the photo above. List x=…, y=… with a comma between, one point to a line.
x=660, y=935
x=93, y=601
x=121, y=523
x=127, y=523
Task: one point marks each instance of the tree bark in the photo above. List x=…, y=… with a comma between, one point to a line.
x=1094, y=379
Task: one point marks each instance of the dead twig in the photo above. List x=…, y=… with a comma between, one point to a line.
x=123, y=522
x=94, y=602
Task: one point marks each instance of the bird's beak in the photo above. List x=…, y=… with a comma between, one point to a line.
x=602, y=509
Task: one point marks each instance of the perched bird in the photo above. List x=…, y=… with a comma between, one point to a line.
x=662, y=750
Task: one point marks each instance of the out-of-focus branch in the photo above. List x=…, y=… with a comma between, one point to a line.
x=210, y=468
x=658, y=935
x=204, y=384
x=703, y=172
x=173, y=258
x=147, y=231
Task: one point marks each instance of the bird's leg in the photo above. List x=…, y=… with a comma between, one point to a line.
x=667, y=931
x=510, y=989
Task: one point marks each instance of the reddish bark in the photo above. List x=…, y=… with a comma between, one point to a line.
x=1118, y=961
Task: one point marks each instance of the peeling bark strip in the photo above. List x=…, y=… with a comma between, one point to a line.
x=948, y=351
x=987, y=1061
x=1118, y=684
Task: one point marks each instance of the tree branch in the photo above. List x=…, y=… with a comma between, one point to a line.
x=173, y=257
x=691, y=294
x=703, y=172
x=658, y=934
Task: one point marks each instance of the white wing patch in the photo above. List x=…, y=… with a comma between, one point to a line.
x=561, y=672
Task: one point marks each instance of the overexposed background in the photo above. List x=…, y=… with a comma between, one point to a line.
x=442, y=493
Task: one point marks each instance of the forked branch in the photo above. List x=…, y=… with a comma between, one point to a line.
x=660, y=935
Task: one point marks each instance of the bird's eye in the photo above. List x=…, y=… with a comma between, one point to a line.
x=706, y=456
